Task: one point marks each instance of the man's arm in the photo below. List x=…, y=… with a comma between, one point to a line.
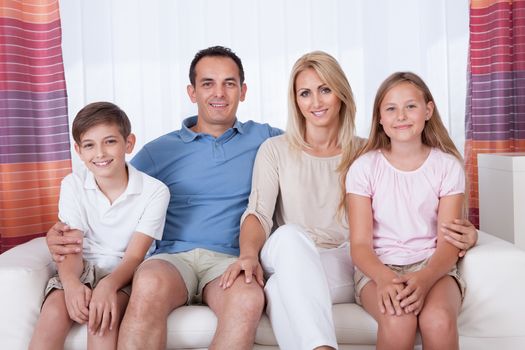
x=61, y=244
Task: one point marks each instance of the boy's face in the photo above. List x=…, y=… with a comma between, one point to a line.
x=103, y=150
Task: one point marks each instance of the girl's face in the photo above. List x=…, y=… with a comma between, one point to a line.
x=404, y=112
x=317, y=102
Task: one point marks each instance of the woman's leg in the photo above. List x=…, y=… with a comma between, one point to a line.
x=299, y=304
x=438, y=318
x=394, y=332
x=339, y=272
x=109, y=340
x=53, y=324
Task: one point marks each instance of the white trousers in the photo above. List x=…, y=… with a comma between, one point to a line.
x=303, y=283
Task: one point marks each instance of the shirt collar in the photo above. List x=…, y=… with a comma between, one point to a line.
x=188, y=135
x=134, y=181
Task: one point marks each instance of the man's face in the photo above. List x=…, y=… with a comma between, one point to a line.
x=217, y=92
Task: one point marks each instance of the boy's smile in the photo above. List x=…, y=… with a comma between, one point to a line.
x=103, y=150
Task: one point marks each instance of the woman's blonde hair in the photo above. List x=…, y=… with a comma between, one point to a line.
x=331, y=73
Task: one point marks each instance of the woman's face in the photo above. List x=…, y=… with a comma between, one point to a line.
x=317, y=102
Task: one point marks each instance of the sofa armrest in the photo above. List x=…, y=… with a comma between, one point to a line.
x=24, y=272
x=494, y=306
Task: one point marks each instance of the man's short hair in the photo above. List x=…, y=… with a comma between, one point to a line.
x=215, y=51
x=97, y=113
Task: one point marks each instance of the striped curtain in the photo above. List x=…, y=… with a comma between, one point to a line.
x=495, y=108
x=34, y=133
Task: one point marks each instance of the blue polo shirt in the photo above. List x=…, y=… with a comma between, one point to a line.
x=209, y=181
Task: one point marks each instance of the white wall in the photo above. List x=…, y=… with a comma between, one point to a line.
x=137, y=53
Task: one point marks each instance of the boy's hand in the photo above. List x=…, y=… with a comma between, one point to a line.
x=77, y=297
x=412, y=297
x=250, y=266
x=103, y=310
x=387, y=292
x=60, y=243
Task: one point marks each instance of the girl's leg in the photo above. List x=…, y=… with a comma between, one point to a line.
x=299, y=304
x=109, y=339
x=53, y=324
x=438, y=318
x=394, y=332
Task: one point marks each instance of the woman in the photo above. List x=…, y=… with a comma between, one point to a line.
x=295, y=187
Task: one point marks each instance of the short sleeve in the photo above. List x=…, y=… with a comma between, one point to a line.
x=69, y=208
x=358, y=177
x=153, y=219
x=453, y=178
x=275, y=131
x=143, y=162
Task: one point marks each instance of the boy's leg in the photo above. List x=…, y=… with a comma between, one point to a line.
x=157, y=289
x=394, y=332
x=438, y=318
x=109, y=340
x=53, y=324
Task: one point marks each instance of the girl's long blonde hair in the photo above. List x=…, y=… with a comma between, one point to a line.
x=331, y=73
x=434, y=133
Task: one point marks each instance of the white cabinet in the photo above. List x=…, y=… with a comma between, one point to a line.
x=502, y=195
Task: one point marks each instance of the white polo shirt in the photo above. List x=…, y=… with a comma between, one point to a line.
x=108, y=227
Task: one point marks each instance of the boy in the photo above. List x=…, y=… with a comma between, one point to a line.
x=117, y=211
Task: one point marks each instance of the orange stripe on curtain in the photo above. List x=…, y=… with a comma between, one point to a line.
x=495, y=115
x=480, y=4
x=35, y=149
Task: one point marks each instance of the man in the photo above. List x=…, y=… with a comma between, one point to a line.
x=207, y=165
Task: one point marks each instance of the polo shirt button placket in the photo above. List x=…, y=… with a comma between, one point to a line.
x=218, y=151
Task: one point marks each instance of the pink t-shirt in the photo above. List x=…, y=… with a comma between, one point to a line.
x=405, y=203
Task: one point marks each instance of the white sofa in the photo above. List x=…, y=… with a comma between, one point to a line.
x=492, y=315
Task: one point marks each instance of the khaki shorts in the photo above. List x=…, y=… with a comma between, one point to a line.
x=360, y=279
x=198, y=267
x=91, y=276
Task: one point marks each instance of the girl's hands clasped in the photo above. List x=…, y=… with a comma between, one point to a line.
x=416, y=287
x=387, y=292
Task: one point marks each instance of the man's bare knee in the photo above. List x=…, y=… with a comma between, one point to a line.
x=250, y=296
x=157, y=285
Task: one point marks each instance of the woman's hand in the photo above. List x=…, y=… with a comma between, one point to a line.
x=461, y=234
x=250, y=266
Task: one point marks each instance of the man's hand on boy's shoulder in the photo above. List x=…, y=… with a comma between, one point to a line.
x=60, y=245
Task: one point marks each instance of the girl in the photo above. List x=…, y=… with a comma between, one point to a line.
x=407, y=183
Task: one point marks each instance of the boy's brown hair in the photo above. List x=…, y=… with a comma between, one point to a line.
x=97, y=113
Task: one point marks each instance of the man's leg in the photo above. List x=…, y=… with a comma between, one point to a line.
x=158, y=288
x=238, y=311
